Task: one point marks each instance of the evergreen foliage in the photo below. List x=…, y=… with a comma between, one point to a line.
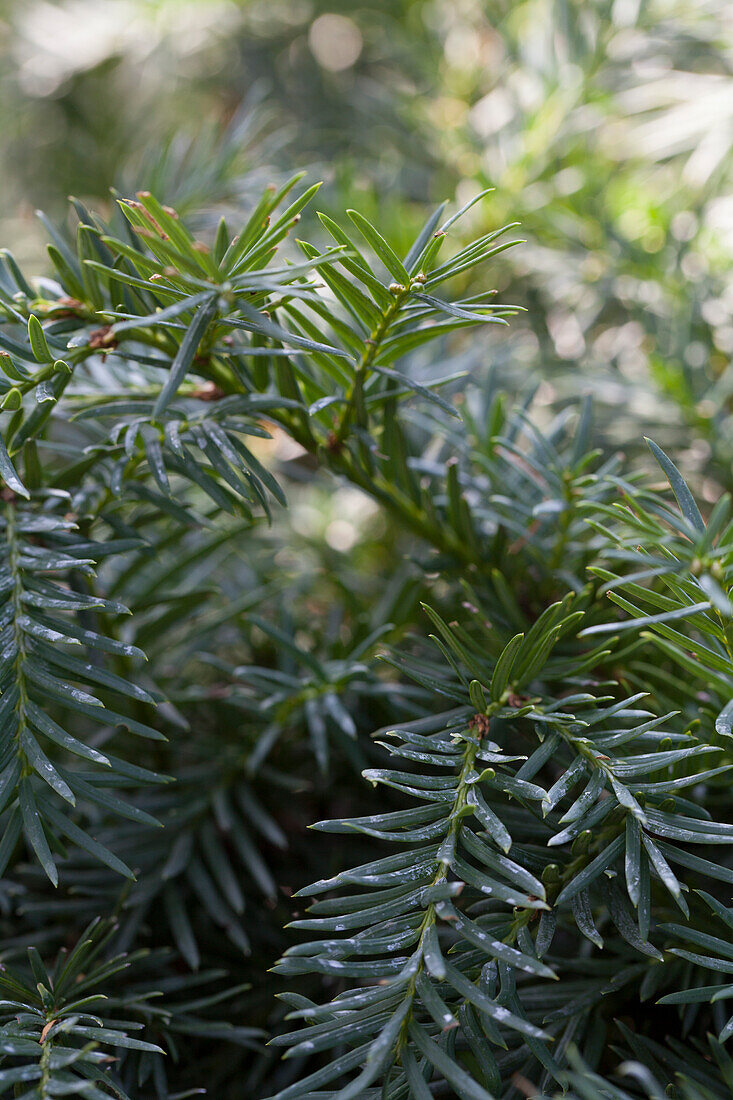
x=532, y=897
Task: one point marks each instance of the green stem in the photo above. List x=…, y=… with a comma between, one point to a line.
x=45, y=1063
x=441, y=876
x=16, y=602
x=371, y=347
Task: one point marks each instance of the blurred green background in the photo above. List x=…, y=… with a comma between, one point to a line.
x=605, y=128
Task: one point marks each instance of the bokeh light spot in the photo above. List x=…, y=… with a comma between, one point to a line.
x=335, y=42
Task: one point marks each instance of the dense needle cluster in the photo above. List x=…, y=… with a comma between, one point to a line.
x=531, y=898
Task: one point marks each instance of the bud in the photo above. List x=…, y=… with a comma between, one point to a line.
x=9, y=369
x=13, y=399
x=396, y=288
x=581, y=844
x=551, y=874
